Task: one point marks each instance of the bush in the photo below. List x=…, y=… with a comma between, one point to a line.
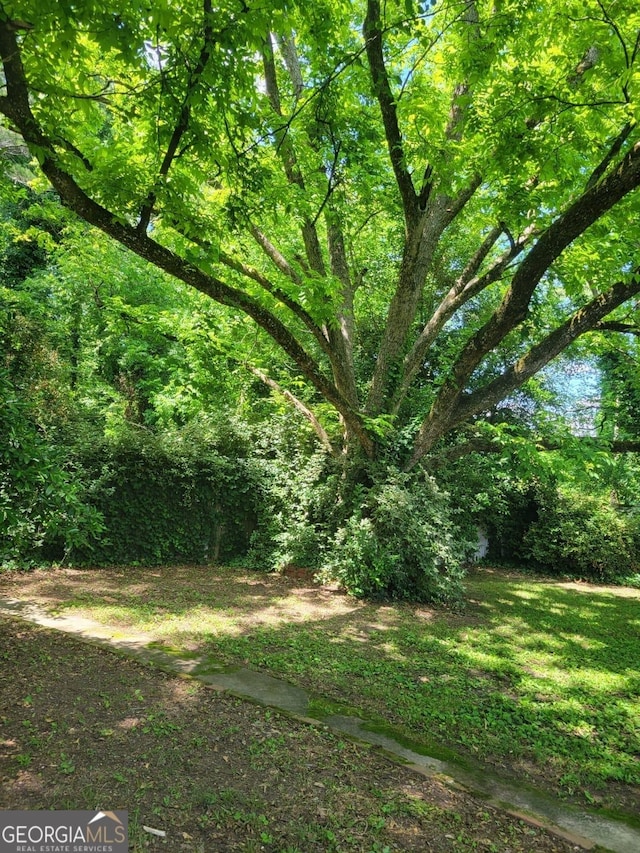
x=43, y=513
x=377, y=531
x=400, y=542
x=294, y=520
x=166, y=499
x=500, y=493
x=584, y=536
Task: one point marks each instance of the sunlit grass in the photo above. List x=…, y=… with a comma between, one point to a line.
x=155, y=619
x=542, y=676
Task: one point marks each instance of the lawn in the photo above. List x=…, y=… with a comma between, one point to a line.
x=84, y=728
x=540, y=679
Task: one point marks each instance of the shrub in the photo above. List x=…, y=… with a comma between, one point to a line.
x=501, y=493
x=377, y=531
x=43, y=513
x=400, y=542
x=301, y=507
x=584, y=536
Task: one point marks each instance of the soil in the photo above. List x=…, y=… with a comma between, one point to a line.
x=82, y=727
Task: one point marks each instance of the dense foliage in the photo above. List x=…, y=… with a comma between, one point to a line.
x=98, y=461
x=401, y=541
x=572, y=512
x=381, y=534
x=166, y=500
x=445, y=187
x=389, y=218
x=42, y=512
x=584, y=536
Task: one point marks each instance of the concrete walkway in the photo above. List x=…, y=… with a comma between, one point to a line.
x=586, y=829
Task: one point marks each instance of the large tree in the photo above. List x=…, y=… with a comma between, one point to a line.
x=420, y=204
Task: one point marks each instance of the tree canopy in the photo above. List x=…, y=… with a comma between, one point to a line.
x=420, y=204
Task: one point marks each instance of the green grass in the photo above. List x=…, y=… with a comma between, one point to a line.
x=533, y=675
x=545, y=675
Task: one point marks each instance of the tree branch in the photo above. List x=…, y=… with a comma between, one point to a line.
x=183, y=118
x=372, y=32
x=588, y=61
x=543, y=445
x=299, y=405
x=426, y=215
x=416, y=261
x=267, y=285
x=288, y=156
x=457, y=112
x=338, y=343
x=613, y=152
x=72, y=149
x=586, y=210
x=612, y=326
x=288, y=47
x=342, y=333
x=277, y=293
x=582, y=321
x=17, y=108
x=465, y=287
x=276, y=256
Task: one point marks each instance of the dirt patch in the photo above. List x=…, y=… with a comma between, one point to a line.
x=84, y=728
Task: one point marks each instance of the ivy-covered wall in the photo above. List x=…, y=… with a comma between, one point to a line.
x=164, y=503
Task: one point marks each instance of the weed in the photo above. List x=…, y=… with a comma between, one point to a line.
x=159, y=725
x=66, y=765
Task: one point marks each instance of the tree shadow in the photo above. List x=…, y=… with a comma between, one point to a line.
x=532, y=676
